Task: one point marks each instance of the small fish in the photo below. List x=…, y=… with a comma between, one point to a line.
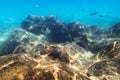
x=101, y=16
x=93, y=13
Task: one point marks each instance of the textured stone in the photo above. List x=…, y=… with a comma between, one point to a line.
x=114, y=31
x=110, y=52
x=56, y=53
x=108, y=63
x=108, y=70
x=56, y=31
x=36, y=67
x=17, y=37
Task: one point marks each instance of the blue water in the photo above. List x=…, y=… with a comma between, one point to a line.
x=12, y=12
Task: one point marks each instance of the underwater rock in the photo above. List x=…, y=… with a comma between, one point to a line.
x=36, y=61
x=16, y=38
x=34, y=24
x=32, y=58
x=19, y=49
x=96, y=47
x=94, y=31
x=77, y=33
x=34, y=47
x=110, y=52
x=51, y=19
x=56, y=31
x=77, y=51
x=88, y=37
x=56, y=53
x=115, y=30
x=108, y=63
x=105, y=70
x=76, y=29
x=83, y=42
x=98, y=38
x=36, y=67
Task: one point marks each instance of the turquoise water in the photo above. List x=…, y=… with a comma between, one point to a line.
x=103, y=13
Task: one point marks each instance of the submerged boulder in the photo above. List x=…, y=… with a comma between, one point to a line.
x=36, y=61
x=75, y=30
x=78, y=34
x=56, y=31
x=105, y=70
x=17, y=37
x=107, y=64
x=38, y=67
x=94, y=31
x=114, y=31
x=56, y=53
x=34, y=24
x=32, y=58
x=110, y=52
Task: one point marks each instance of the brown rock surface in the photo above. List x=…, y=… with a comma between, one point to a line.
x=110, y=52
x=48, y=49
x=107, y=66
x=47, y=66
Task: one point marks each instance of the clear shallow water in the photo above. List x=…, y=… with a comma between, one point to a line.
x=103, y=13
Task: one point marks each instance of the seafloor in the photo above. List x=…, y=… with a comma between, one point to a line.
x=44, y=48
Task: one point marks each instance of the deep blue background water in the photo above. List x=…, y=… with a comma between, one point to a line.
x=12, y=12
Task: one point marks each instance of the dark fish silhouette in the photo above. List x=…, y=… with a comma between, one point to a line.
x=101, y=16
x=94, y=13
